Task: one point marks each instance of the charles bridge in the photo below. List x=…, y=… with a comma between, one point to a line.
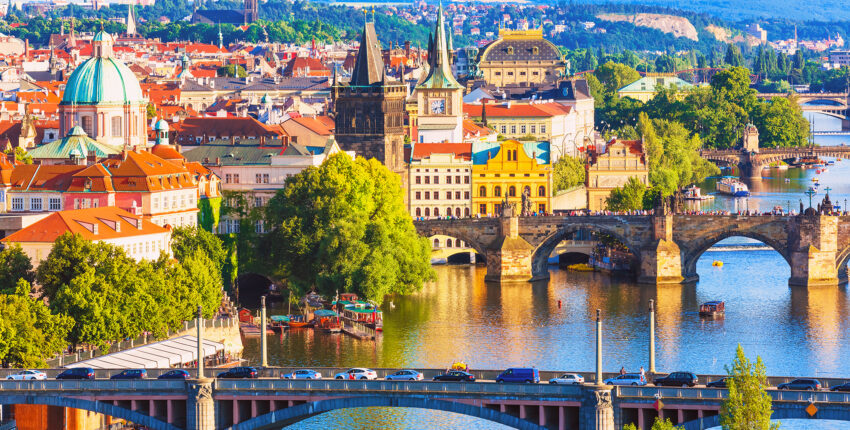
x=270, y=402
x=666, y=247
x=752, y=162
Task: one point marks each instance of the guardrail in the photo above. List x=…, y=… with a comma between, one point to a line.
x=721, y=393
x=94, y=385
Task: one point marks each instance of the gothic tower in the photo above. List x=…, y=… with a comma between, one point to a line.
x=252, y=11
x=369, y=109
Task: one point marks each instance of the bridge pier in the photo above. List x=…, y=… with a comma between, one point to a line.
x=597, y=410
x=200, y=406
x=814, y=247
x=661, y=260
x=509, y=259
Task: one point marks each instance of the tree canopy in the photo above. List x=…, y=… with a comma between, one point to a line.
x=568, y=172
x=343, y=227
x=748, y=405
x=14, y=266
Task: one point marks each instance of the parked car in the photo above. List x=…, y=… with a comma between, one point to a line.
x=568, y=379
x=131, y=374
x=519, y=374
x=801, y=384
x=27, y=375
x=175, y=374
x=627, y=379
x=720, y=383
x=357, y=373
x=77, y=373
x=244, y=372
x=677, y=379
x=302, y=374
x=455, y=375
x=406, y=375
x=843, y=387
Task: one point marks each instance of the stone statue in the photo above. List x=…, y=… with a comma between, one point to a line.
x=526, y=202
x=603, y=398
x=508, y=208
x=801, y=206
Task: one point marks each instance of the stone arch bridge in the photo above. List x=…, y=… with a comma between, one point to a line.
x=832, y=104
x=667, y=247
x=752, y=163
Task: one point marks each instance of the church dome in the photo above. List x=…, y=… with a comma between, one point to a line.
x=102, y=79
x=161, y=125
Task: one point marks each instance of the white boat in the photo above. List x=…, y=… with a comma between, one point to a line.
x=694, y=193
x=733, y=187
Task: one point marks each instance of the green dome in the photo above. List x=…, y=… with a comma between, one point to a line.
x=161, y=125
x=102, y=36
x=102, y=80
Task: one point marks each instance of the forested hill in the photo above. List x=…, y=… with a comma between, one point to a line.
x=737, y=10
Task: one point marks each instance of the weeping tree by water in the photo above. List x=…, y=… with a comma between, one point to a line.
x=748, y=405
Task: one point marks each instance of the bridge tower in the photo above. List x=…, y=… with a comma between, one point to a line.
x=509, y=258
x=813, y=245
x=661, y=260
x=750, y=140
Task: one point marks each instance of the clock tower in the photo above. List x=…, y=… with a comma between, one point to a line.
x=439, y=97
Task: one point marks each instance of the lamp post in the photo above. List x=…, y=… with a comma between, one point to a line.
x=598, y=347
x=651, y=336
x=200, y=324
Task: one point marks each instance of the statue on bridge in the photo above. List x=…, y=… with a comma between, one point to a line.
x=508, y=208
x=526, y=201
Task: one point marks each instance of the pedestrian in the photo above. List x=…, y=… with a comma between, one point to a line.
x=642, y=374
x=623, y=370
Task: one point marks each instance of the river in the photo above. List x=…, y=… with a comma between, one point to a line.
x=459, y=317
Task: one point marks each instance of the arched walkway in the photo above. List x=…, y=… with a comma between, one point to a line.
x=691, y=252
x=540, y=259
x=89, y=405
x=294, y=414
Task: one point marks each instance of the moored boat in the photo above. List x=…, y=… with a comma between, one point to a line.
x=733, y=187
x=714, y=308
x=327, y=321
x=297, y=321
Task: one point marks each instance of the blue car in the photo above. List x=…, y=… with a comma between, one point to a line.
x=302, y=374
x=131, y=374
x=627, y=379
x=175, y=374
x=519, y=374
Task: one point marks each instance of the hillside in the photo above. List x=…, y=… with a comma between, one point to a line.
x=676, y=25
x=736, y=10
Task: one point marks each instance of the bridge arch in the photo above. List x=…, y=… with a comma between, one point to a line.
x=540, y=258
x=294, y=414
x=842, y=258
x=797, y=411
x=91, y=406
x=691, y=252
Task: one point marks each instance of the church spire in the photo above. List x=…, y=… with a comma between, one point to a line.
x=369, y=63
x=131, y=20
x=440, y=75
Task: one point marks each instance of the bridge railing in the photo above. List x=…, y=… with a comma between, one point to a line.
x=721, y=393
x=398, y=386
x=94, y=385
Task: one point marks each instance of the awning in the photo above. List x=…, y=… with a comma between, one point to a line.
x=157, y=355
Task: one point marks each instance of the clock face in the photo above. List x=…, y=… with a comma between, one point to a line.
x=438, y=106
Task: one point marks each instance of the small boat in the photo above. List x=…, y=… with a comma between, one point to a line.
x=327, y=321
x=712, y=309
x=297, y=321
x=815, y=180
x=694, y=193
x=787, y=180
x=732, y=186
x=717, y=263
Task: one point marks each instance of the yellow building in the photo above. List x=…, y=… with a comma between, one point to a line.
x=621, y=160
x=507, y=169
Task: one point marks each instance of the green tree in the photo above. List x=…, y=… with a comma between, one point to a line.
x=29, y=332
x=628, y=197
x=733, y=56
x=568, y=172
x=658, y=424
x=343, y=227
x=748, y=405
x=14, y=266
x=615, y=75
x=232, y=71
x=185, y=241
x=21, y=154
x=151, y=111
x=781, y=123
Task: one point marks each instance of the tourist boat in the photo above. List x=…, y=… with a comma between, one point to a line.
x=327, y=321
x=365, y=313
x=297, y=321
x=733, y=187
x=694, y=193
x=712, y=309
x=279, y=322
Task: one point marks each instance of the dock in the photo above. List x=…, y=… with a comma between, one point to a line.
x=358, y=330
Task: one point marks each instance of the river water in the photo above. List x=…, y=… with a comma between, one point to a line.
x=458, y=317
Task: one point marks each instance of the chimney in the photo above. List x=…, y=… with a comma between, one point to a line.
x=139, y=223
x=118, y=226
x=218, y=161
x=27, y=49
x=94, y=229
x=12, y=157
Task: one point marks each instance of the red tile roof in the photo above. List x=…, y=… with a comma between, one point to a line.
x=101, y=223
x=313, y=124
x=34, y=177
x=515, y=110
x=460, y=150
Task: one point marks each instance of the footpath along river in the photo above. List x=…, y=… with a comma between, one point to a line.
x=459, y=317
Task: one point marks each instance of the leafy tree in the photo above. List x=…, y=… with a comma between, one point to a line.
x=151, y=111
x=568, y=172
x=665, y=64
x=733, y=56
x=748, y=405
x=14, y=266
x=185, y=241
x=780, y=123
x=672, y=154
x=615, y=75
x=72, y=256
x=29, y=332
x=21, y=154
x=232, y=71
x=628, y=197
x=343, y=227
x=658, y=424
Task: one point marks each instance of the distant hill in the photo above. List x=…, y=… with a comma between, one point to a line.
x=738, y=10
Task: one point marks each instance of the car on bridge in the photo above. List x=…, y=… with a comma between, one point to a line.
x=720, y=383
x=175, y=374
x=302, y=374
x=77, y=373
x=568, y=379
x=627, y=379
x=455, y=375
x=801, y=384
x=357, y=373
x=27, y=375
x=677, y=379
x=843, y=387
x=243, y=372
x=131, y=374
x=527, y=375
x=406, y=375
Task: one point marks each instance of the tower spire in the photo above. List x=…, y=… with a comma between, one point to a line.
x=440, y=75
x=369, y=63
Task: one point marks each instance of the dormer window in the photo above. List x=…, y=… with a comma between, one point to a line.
x=510, y=50
x=535, y=50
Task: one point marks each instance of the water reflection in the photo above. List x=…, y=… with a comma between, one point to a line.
x=393, y=418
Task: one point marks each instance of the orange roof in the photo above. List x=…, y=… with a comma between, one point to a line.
x=101, y=223
x=166, y=152
x=514, y=110
x=143, y=171
x=460, y=150
x=470, y=128
x=315, y=125
x=35, y=177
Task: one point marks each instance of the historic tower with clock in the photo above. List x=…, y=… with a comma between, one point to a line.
x=439, y=97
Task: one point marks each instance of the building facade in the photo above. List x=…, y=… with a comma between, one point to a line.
x=520, y=57
x=504, y=171
x=621, y=160
x=440, y=180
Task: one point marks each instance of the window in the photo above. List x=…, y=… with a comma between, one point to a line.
x=427, y=179
x=457, y=214
x=513, y=129
x=466, y=179
x=541, y=208
x=436, y=179
x=17, y=203
x=448, y=179
x=227, y=180
x=448, y=195
x=235, y=178
x=418, y=212
x=116, y=126
x=265, y=178
x=465, y=211
x=427, y=211
x=522, y=73
x=457, y=195
x=418, y=195
x=449, y=243
x=418, y=180
x=76, y=203
x=533, y=129
x=258, y=203
x=512, y=191
x=457, y=179
x=436, y=243
x=466, y=195
x=482, y=209
x=482, y=191
x=497, y=192
x=504, y=129
x=95, y=203
x=510, y=73
x=259, y=178
x=541, y=192
x=427, y=195
x=88, y=125
x=35, y=204
x=543, y=129
x=156, y=203
x=54, y=204
x=259, y=227
x=436, y=211
x=498, y=73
